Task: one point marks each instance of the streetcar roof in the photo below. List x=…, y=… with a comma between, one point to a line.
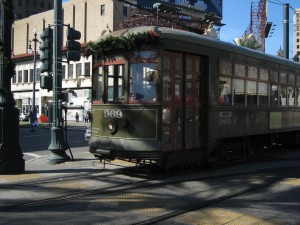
x=191, y=37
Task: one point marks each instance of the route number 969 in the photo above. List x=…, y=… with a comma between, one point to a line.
x=113, y=113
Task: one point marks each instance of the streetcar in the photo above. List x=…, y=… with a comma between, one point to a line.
x=176, y=98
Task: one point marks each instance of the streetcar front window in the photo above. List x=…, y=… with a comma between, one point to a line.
x=115, y=83
x=142, y=82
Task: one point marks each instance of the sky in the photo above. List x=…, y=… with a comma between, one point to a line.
x=236, y=16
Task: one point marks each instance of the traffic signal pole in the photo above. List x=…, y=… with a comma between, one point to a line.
x=11, y=156
x=58, y=144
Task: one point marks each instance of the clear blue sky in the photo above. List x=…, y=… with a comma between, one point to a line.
x=236, y=16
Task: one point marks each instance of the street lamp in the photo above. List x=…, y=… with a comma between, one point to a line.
x=33, y=117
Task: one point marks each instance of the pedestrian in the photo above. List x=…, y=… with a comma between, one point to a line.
x=77, y=117
x=90, y=117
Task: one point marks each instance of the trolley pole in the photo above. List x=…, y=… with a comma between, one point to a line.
x=286, y=21
x=58, y=144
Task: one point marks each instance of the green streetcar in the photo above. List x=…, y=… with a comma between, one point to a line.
x=176, y=98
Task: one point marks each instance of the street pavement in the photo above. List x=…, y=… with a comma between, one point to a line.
x=279, y=204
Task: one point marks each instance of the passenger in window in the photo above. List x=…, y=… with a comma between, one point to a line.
x=223, y=97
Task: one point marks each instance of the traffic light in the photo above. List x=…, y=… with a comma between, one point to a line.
x=46, y=50
x=73, y=47
x=46, y=82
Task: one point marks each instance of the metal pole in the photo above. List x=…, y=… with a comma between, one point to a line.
x=34, y=68
x=35, y=40
x=58, y=144
x=11, y=156
x=286, y=30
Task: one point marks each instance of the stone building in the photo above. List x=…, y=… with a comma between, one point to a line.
x=92, y=18
x=26, y=8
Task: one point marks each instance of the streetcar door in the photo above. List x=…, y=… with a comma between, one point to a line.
x=192, y=104
x=181, y=101
x=172, y=101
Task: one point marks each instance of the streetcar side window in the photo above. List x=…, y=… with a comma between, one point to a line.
x=274, y=76
x=264, y=74
x=291, y=96
x=143, y=82
x=224, y=97
x=298, y=96
x=263, y=93
x=274, y=95
x=239, y=92
x=251, y=93
x=226, y=68
x=283, y=96
x=239, y=70
x=252, y=72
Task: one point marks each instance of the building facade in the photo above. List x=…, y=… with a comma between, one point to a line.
x=93, y=18
x=26, y=8
x=296, y=19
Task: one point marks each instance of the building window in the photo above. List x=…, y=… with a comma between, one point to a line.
x=87, y=68
x=42, y=4
x=49, y=6
x=125, y=10
x=63, y=73
x=31, y=75
x=20, y=76
x=27, y=2
x=102, y=10
x=71, y=71
x=78, y=69
x=20, y=3
x=34, y=2
x=25, y=76
x=38, y=74
x=14, y=79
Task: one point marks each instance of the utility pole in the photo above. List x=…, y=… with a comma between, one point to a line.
x=286, y=21
x=58, y=144
x=11, y=156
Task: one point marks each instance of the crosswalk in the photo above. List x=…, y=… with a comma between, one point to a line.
x=28, y=157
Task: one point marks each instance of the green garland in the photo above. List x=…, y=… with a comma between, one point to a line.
x=106, y=47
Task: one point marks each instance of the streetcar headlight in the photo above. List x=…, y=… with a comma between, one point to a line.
x=112, y=126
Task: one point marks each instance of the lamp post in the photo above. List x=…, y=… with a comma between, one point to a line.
x=156, y=6
x=33, y=117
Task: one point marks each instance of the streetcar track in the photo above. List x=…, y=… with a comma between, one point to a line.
x=210, y=202
x=138, y=185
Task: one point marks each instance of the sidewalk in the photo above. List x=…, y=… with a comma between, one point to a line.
x=26, y=124
x=40, y=168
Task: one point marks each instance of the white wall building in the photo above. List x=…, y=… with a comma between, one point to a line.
x=92, y=18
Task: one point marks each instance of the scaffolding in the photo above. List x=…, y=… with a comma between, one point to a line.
x=258, y=21
x=170, y=15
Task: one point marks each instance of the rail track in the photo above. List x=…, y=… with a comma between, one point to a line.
x=150, y=199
